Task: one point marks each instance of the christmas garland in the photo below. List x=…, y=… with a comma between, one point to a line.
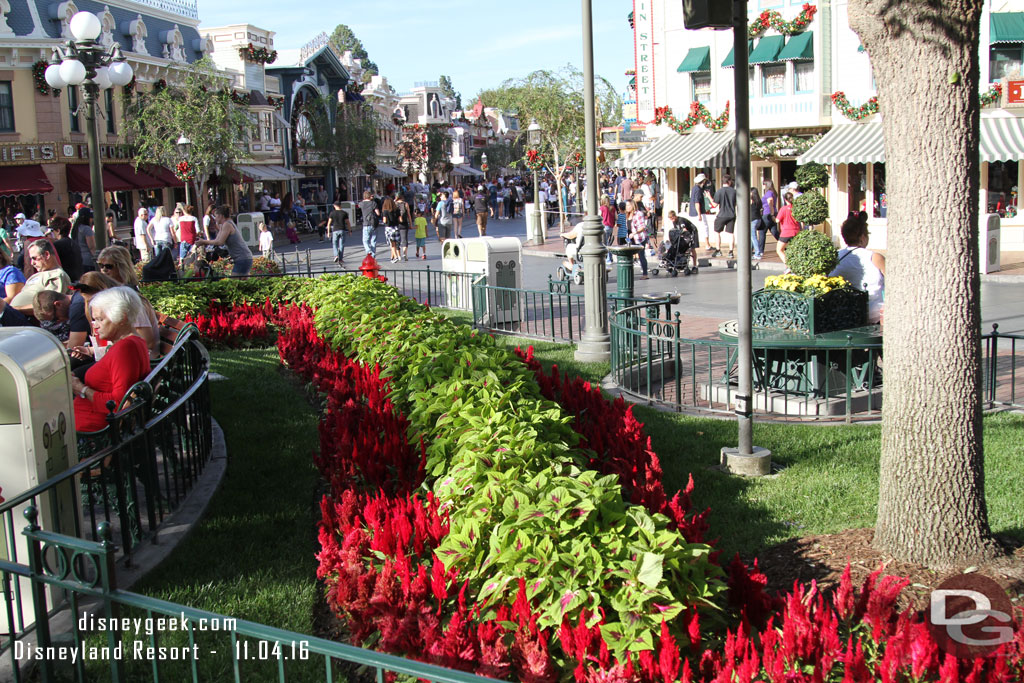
x=159, y=85
x=772, y=19
x=698, y=114
x=768, y=149
x=185, y=171
x=275, y=102
x=534, y=160
x=854, y=113
x=991, y=96
x=39, y=77
x=238, y=98
x=257, y=55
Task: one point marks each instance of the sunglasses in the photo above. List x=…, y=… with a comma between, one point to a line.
x=106, y=266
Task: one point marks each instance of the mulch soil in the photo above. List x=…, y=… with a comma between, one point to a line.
x=824, y=558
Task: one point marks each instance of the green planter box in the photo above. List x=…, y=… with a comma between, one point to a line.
x=778, y=309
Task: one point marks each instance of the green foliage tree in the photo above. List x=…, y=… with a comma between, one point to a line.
x=425, y=149
x=811, y=253
x=449, y=91
x=200, y=107
x=555, y=100
x=344, y=39
x=811, y=176
x=343, y=135
x=500, y=154
x=810, y=208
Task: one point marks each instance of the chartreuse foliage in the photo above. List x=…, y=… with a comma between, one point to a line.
x=195, y=299
x=503, y=462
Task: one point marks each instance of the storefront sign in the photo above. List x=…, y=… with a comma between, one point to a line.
x=643, y=44
x=1015, y=92
x=56, y=152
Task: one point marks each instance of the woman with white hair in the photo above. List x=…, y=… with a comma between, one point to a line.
x=126, y=361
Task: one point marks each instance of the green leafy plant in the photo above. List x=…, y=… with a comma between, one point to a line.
x=811, y=253
x=811, y=176
x=810, y=208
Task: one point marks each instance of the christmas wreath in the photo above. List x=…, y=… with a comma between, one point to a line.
x=534, y=160
x=39, y=77
x=575, y=160
x=991, y=96
x=772, y=19
x=160, y=84
x=698, y=114
x=854, y=113
x=257, y=55
x=185, y=171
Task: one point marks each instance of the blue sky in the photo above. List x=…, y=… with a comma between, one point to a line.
x=478, y=44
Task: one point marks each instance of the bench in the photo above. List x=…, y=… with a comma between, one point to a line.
x=171, y=330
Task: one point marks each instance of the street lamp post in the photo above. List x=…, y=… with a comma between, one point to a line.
x=83, y=61
x=483, y=163
x=533, y=137
x=595, y=345
x=184, y=147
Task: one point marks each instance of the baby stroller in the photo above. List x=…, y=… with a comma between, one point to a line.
x=675, y=252
x=572, y=265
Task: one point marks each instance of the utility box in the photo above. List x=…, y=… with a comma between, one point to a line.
x=989, y=236
x=248, y=225
x=37, y=442
x=499, y=259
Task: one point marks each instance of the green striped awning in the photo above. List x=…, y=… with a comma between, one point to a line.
x=697, y=59
x=698, y=150
x=1006, y=27
x=800, y=46
x=730, y=59
x=767, y=50
x=1001, y=139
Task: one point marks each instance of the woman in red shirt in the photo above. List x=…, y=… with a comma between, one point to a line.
x=788, y=227
x=126, y=361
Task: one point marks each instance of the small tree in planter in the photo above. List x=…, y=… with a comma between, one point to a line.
x=811, y=176
x=810, y=253
x=810, y=208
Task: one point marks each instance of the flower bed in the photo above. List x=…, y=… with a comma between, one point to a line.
x=477, y=507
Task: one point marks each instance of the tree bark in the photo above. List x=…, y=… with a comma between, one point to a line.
x=924, y=54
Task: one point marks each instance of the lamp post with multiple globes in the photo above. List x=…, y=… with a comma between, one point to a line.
x=83, y=61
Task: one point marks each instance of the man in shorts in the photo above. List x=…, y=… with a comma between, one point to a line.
x=725, y=221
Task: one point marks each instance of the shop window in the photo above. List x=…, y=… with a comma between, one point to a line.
x=73, y=108
x=878, y=190
x=108, y=101
x=701, y=87
x=803, y=73
x=773, y=79
x=6, y=106
x=1002, y=188
x=1005, y=60
x=856, y=186
x=267, y=135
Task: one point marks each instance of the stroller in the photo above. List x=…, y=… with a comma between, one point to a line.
x=676, y=251
x=572, y=265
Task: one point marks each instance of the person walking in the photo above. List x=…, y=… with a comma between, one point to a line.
x=481, y=208
x=757, y=230
x=638, y=234
x=371, y=214
x=788, y=227
x=228, y=236
x=404, y=219
x=697, y=213
x=337, y=224
x=725, y=221
x=159, y=232
x=458, y=211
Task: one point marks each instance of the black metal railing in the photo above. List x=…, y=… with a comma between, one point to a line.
x=1002, y=358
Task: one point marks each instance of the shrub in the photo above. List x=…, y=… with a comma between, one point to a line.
x=810, y=208
x=811, y=253
x=811, y=176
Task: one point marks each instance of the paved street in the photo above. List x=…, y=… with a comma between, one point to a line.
x=710, y=294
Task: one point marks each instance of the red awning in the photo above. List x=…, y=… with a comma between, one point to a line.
x=78, y=180
x=139, y=179
x=19, y=180
x=165, y=176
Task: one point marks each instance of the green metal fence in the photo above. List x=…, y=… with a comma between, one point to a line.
x=118, y=635
x=1002, y=356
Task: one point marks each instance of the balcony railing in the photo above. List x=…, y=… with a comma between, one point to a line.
x=785, y=110
x=185, y=8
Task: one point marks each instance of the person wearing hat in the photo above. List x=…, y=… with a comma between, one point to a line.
x=697, y=212
x=49, y=275
x=481, y=208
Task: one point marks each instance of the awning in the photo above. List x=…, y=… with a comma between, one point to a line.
x=79, y=181
x=1001, y=139
x=730, y=59
x=800, y=46
x=697, y=59
x=267, y=173
x=698, y=150
x=20, y=180
x=149, y=178
x=464, y=170
x=767, y=50
x=1006, y=27
x=385, y=171
x=164, y=175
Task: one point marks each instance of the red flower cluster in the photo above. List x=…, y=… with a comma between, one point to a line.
x=237, y=325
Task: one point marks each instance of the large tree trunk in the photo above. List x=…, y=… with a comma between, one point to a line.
x=924, y=53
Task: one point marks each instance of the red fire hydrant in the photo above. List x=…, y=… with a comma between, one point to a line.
x=369, y=267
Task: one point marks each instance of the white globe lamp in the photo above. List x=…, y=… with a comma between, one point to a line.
x=120, y=73
x=72, y=71
x=53, y=78
x=102, y=78
x=85, y=26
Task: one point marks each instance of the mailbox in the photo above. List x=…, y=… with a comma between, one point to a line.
x=37, y=439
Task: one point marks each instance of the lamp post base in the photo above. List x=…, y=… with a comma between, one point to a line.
x=755, y=464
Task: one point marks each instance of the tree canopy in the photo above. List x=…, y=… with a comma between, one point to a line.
x=343, y=135
x=449, y=90
x=344, y=39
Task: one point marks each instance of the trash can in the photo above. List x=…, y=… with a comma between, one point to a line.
x=535, y=232
x=350, y=209
x=37, y=441
x=248, y=225
x=989, y=236
x=499, y=259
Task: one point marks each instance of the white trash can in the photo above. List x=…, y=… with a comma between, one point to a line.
x=248, y=227
x=990, y=238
